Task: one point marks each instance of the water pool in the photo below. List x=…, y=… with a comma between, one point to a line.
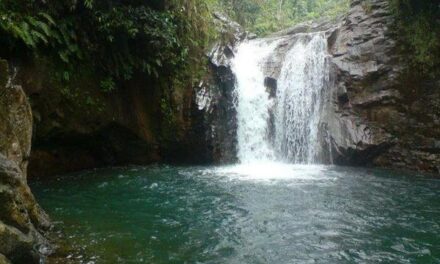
x=266, y=213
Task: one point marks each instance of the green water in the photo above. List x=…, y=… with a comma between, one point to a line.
x=260, y=214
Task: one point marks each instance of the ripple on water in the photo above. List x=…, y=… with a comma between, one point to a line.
x=268, y=213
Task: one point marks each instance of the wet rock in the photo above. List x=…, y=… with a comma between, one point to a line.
x=215, y=98
x=381, y=97
x=309, y=27
x=271, y=86
x=112, y=145
x=217, y=115
x=353, y=142
x=103, y=124
x=4, y=74
x=373, y=89
x=231, y=34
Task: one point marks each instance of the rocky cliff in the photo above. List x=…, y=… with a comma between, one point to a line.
x=392, y=117
x=375, y=113
x=21, y=219
x=78, y=126
x=215, y=99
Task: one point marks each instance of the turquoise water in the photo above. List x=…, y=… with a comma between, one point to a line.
x=270, y=213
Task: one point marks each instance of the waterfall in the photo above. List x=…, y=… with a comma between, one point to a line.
x=253, y=101
x=299, y=99
x=297, y=106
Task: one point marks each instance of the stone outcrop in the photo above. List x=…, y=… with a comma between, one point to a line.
x=374, y=97
x=215, y=98
x=217, y=114
x=347, y=137
x=21, y=218
x=358, y=48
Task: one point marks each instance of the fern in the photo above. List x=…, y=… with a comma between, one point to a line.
x=88, y=4
x=118, y=38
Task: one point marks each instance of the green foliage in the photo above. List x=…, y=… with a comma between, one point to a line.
x=91, y=47
x=108, y=84
x=266, y=16
x=418, y=25
x=119, y=38
x=88, y=4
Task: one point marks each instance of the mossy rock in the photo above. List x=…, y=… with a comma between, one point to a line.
x=4, y=260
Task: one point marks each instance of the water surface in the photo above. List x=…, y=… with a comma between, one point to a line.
x=266, y=213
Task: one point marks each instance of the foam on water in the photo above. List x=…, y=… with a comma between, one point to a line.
x=270, y=171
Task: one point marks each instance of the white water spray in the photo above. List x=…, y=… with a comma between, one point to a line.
x=298, y=101
x=253, y=101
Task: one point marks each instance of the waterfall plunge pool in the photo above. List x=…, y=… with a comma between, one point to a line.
x=265, y=213
x=261, y=211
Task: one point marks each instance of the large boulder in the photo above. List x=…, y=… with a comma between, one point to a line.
x=21, y=218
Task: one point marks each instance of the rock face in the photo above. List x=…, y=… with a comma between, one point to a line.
x=347, y=137
x=215, y=98
x=360, y=67
x=394, y=122
x=216, y=111
x=77, y=129
x=21, y=218
x=375, y=114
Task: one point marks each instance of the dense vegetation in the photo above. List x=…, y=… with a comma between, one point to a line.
x=118, y=38
x=265, y=16
x=418, y=24
x=83, y=50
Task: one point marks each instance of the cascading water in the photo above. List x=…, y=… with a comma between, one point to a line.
x=253, y=101
x=297, y=104
x=299, y=99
